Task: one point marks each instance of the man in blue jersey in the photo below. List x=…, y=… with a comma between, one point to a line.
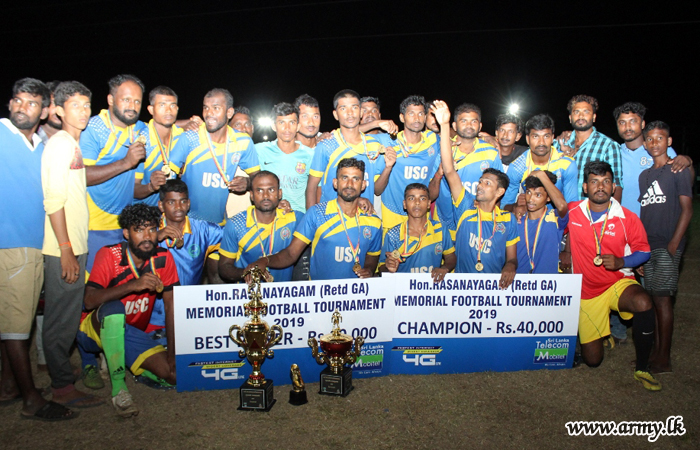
x=242, y=121
x=486, y=237
x=287, y=158
x=416, y=152
x=112, y=150
x=542, y=229
x=371, y=121
x=258, y=232
x=539, y=133
x=161, y=135
x=21, y=240
x=418, y=244
x=345, y=142
x=208, y=159
x=629, y=119
x=338, y=228
x=189, y=240
x=470, y=158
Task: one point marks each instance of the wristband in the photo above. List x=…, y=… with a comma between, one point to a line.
x=65, y=244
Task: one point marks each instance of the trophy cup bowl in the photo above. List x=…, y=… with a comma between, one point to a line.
x=336, y=379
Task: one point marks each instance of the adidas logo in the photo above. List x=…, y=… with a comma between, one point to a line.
x=653, y=195
x=118, y=371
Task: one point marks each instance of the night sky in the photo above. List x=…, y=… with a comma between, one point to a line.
x=538, y=54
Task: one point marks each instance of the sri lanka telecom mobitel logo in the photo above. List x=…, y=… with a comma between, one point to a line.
x=552, y=351
x=371, y=358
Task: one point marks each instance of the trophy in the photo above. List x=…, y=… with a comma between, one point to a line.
x=336, y=379
x=256, y=338
x=297, y=396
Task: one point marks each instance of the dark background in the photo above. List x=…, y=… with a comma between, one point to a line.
x=538, y=54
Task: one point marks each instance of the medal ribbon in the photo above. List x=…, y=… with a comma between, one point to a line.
x=132, y=265
x=260, y=232
x=164, y=151
x=371, y=157
x=534, y=245
x=113, y=129
x=531, y=164
x=222, y=171
x=405, y=148
x=170, y=243
x=405, y=253
x=482, y=242
x=355, y=251
x=598, y=240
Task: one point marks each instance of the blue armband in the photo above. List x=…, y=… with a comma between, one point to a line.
x=636, y=259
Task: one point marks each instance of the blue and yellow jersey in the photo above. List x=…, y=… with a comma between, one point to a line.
x=414, y=164
x=103, y=143
x=291, y=168
x=469, y=167
x=208, y=191
x=328, y=154
x=562, y=166
x=200, y=238
x=545, y=254
x=154, y=158
x=331, y=253
x=421, y=259
x=244, y=240
x=495, y=236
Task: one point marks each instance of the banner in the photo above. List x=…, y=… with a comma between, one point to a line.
x=467, y=323
x=207, y=358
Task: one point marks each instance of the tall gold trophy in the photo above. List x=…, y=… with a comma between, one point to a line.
x=256, y=338
x=336, y=379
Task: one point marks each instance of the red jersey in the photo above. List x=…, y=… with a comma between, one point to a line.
x=111, y=269
x=623, y=236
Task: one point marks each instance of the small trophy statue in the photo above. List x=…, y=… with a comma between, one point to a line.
x=256, y=338
x=297, y=396
x=336, y=379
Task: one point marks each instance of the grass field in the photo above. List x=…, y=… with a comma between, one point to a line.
x=480, y=410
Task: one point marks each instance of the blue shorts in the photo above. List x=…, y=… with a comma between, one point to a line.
x=138, y=345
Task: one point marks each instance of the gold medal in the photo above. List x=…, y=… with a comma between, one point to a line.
x=396, y=253
x=598, y=260
x=179, y=243
x=269, y=278
x=479, y=267
x=166, y=170
x=159, y=288
x=141, y=139
x=356, y=267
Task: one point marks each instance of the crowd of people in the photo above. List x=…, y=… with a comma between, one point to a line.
x=108, y=213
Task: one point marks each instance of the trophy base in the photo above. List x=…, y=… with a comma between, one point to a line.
x=336, y=384
x=257, y=398
x=297, y=398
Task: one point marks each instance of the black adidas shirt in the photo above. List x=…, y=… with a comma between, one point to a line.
x=659, y=190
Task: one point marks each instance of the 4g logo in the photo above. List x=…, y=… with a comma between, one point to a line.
x=222, y=374
x=421, y=360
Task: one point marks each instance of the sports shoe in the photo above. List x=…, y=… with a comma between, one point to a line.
x=648, y=381
x=124, y=404
x=91, y=378
x=161, y=384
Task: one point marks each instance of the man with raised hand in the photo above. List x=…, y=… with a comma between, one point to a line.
x=486, y=236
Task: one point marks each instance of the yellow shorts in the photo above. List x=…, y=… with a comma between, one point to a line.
x=594, y=318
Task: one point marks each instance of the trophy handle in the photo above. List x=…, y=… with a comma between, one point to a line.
x=238, y=338
x=351, y=357
x=272, y=339
x=319, y=357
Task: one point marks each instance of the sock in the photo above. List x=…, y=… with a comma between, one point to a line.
x=155, y=378
x=643, y=325
x=112, y=336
